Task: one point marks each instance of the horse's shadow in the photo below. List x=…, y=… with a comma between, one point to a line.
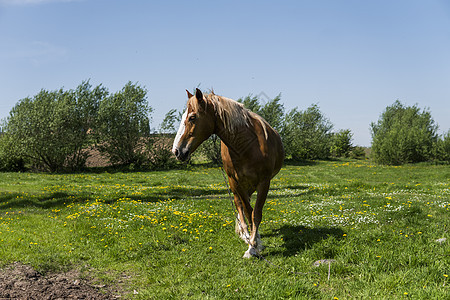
x=297, y=238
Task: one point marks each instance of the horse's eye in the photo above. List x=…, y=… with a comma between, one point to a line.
x=192, y=118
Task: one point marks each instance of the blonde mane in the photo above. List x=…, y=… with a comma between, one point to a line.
x=232, y=113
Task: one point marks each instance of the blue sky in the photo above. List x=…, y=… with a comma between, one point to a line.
x=352, y=58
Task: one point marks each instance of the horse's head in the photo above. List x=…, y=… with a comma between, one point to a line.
x=197, y=124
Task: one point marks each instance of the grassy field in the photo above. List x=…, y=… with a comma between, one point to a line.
x=164, y=235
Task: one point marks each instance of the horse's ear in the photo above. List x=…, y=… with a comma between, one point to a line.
x=199, y=96
x=189, y=94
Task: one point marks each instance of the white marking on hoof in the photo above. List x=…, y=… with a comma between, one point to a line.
x=250, y=252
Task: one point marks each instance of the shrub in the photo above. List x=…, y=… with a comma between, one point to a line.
x=158, y=152
x=403, y=135
x=306, y=134
x=341, y=143
x=50, y=130
x=209, y=150
x=123, y=122
x=358, y=152
x=442, y=148
x=10, y=159
x=273, y=113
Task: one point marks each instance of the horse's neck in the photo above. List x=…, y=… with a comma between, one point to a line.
x=239, y=140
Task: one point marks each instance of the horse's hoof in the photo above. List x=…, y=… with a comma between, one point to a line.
x=250, y=252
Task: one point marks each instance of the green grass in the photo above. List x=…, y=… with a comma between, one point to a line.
x=171, y=234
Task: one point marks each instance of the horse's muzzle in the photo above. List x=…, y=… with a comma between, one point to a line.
x=180, y=154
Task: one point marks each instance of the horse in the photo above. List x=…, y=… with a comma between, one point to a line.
x=252, y=154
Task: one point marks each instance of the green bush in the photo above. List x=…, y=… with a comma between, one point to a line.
x=209, y=150
x=123, y=124
x=358, y=152
x=10, y=159
x=307, y=134
x=158, y=152
x=50, y=130
x=341, y=143
x=273, y=113
x=442, y=148
x=403, y=135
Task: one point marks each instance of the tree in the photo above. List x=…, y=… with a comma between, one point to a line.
x=50, y=130
x=82, y=109
x=446, y=146
x=251, y=103
x=273, y=112
x=123, y=122
x=10, y=158
x=168, y=124
x=442, y=148
x=403, y=134
x=306, y=134
x=341, y=143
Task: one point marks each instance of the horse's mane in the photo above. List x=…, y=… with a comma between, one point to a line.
x=233, y=114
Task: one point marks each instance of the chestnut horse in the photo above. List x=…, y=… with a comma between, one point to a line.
x=252, y=153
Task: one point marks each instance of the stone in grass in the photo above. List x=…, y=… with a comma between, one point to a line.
x=319, y=262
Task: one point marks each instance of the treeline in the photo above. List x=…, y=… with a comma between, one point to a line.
x=306, y=134
x=403, y=134
x=58, y=130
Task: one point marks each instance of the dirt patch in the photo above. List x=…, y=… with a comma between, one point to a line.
x=19, y=281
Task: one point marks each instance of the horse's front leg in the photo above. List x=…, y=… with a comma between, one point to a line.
x=241, y=227
x=242, y=204
x=255, y=241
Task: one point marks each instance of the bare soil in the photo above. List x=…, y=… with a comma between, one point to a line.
x=19, y=281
